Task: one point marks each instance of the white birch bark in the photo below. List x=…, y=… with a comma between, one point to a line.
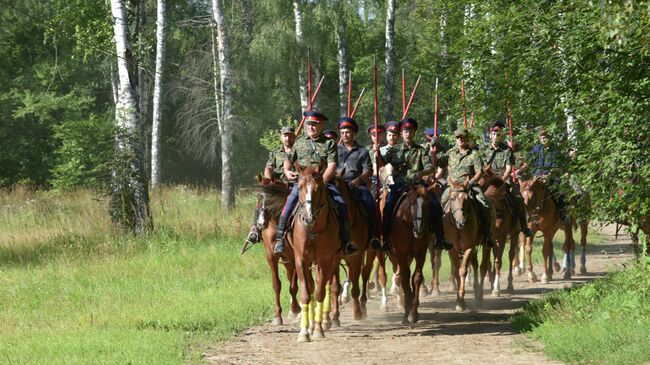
x=468, y=63
x=130, y=196
x=225, y=126
x=158, y=77
x=297, y=14
x=390, y=62
x=341, y=57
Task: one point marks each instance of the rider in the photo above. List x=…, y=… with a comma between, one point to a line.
x=410, y=163
x=501, y=159
x=355, y=168
x=274, y=169
x=431, y=141
x=545, y=161
x=463, y=161
x=312, y=150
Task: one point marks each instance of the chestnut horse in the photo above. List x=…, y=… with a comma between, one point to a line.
x=462, y=229
x=505, y=226
x=358, y=265
x=410, y=239
x=543, y=216
x=270, y=201
x=315, y=241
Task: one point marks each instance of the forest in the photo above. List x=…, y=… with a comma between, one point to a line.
x=577, y=68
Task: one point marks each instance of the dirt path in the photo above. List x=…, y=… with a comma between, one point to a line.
x=442, y=335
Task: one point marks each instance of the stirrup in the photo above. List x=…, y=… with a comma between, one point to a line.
x=278, y=249
x=253, y=236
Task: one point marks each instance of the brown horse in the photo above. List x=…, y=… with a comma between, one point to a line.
x=315, y=241
x=543, y=216
x=410, y=239
x=357, y=264
x=462, y=229
x=505, y=226
x=270, y=200
x=435, y=254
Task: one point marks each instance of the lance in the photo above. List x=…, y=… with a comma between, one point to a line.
x=376, y=115
x=408, y=106
x=462, y=96
x=471, y=121
x=356, y=104
x=512, y=142
x=311, y=101
x=435, y=131
x=349, y=91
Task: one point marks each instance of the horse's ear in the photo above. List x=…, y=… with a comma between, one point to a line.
x=299, y=168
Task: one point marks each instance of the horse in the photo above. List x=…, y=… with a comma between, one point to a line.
x=436, y=255
x=543, y=216
x=359, y=264
x=270, y=200
x=462, y=229
x=315, y=240
x=505, y=226
x=410, y=239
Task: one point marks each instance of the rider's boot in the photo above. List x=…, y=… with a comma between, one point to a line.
x=347, y=246
x=278, y=249
x=254, y=235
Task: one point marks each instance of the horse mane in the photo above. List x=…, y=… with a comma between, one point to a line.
x=276, y=193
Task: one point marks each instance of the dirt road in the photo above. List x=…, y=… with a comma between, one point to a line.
x=478, y=335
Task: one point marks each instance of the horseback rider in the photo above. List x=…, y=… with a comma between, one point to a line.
x=355, y=168
x=545, y=161
x=381, y=134
x=274, y=169
x=410, y=163
x=463, y=161
x=312, y=150
x=431, y=141
x=501, y=159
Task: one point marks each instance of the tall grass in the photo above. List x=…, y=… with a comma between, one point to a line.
x=74, y=291
x=605, y=322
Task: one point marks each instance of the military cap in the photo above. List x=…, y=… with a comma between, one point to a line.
x=314, y=116
x=462, y=132
x=497, y=126
x=380, y=128
x=429, y=132
x=392, y=126
x=347, y=122
x=287, y=129
x=543, y=132
x=408, y=123
x=330, y=134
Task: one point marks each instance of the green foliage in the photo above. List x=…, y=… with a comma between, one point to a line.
x=604, y=322
x=271, y=140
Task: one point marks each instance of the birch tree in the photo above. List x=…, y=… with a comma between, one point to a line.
x=297, y=15
x=341, y=58
x=129, y=206
x=390, y=62
x=160, y=59
x=225, y=119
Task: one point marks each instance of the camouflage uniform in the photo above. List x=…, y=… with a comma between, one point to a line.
x=276, y=163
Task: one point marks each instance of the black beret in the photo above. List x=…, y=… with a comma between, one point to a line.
x=409, y=123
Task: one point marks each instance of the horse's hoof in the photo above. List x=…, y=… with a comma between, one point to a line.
x=405, y=320
x=583, y=270
x=304, y=338
x=510, y=288
x=371, y=286
x=357, y=315
x=567, y=275
x=545, y=279
x=517, y=271
x=394, y=291
x=435, y=292
x=413, y=318
x=336, y=323
x=277, y=321
x=460, y=308
x=345, y=299
x=318, y=334
x=556, y=267
x=496, y=293
x=327, y=325
x=532, y=278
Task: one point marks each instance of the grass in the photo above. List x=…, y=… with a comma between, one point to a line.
x=604, y=322
x=74, y=291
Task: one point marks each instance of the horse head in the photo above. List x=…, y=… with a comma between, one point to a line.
x=312, y=194
x=532, y=191
x=459, y=202
x=418, y=202
x=271, y=195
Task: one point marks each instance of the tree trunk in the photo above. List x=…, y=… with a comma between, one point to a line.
x=468, y=63
x=143, y=81
x=390, y=63
x=160, y=59
x=129, y=206
x=301, y=74
x=342, y=56
x=225, y=126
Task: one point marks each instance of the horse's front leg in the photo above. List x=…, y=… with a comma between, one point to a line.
x=462, y=273
x=365, y=277
x=304, y=276
x=480, y=281
x=418, y=279
x=324, y=275
x=547, y=252
x=528, y=249
x=405, y=278
x=512, y=254
x=584, y=226
x=436, y=262
x=354, y=271
x=292, y=277
x=495, y=278
x=277, y=287
x=335, y=291
x=381, y=268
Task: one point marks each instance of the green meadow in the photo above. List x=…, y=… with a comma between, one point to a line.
x=74, y=291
